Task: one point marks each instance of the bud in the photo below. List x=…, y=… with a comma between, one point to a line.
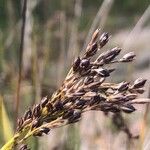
x=128, y=57
x=91, y=50
x=28, y=114
x=84, y=63
x=140, y=90
x=130, y=97
x=128, y=108
x=76, y=64
x=80, y=103
x=45, y=130
x=123, y=86
x=95, y=36
x=103, y=39
x=102, y=72
x=23, y=147
x=76, y=116
x=20, y=122
x=58, y=105
x=96, y=99
x=139, y=83
x=111, y=54
x=37, y=110
x=68, y=114
x=44, y=101
x=35, y=124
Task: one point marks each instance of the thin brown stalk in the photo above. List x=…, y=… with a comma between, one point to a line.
x=20, y=58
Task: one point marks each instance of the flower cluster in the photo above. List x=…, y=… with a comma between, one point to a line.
x=85, y=88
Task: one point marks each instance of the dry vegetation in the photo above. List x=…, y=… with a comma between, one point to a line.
x=93, y=106
x=84, y=89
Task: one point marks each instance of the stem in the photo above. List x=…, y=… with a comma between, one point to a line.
x=20, y=57
x=10, y=144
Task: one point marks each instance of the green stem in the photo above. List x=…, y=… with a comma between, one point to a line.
x=9, y=145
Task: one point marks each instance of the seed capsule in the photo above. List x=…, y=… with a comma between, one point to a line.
x=139, y=83
x=76, y=64
x=45, y=130
x=80, y=103
x=44, y=101
x=28, y=114
x=20, y=122
x=37, y=110
x=102, y=72
x=23, y=147
x=128, y=57
x=95, y=35
x=84, y=63
x=130, y=97
x=92, y=49
x=128, y=108
x=123, y=86
x=103, y=39
x=96, y=99
x=68, y=114
x=58, y=105
x=76, y=116
x=35, y=124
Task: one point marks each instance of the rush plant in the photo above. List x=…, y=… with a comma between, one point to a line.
x=84, y=89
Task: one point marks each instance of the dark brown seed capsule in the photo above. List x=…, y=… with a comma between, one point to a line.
x=76, y=116
x=92, y=49
x=84, y=63
x=20, y=122
x=44, y=101
x=45, y=130
x=102, y=72
x=37, y=110
x=128, y=57
x=58, y=105
x=140, y=91
x=28, y=114
x=130, y=97
x=68, y=114
x=23, y=147
x=111, y=70
x=80, y=103
x=139, y=83
x=36, y=123
x=128, y=108
x=76, y=64
x=103, y=39
x=123, y=86
x=96, y=99
x=110, y=55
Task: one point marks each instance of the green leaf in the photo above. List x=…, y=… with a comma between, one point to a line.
x=5, y=122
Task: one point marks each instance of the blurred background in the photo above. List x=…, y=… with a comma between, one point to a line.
x=56, y=32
